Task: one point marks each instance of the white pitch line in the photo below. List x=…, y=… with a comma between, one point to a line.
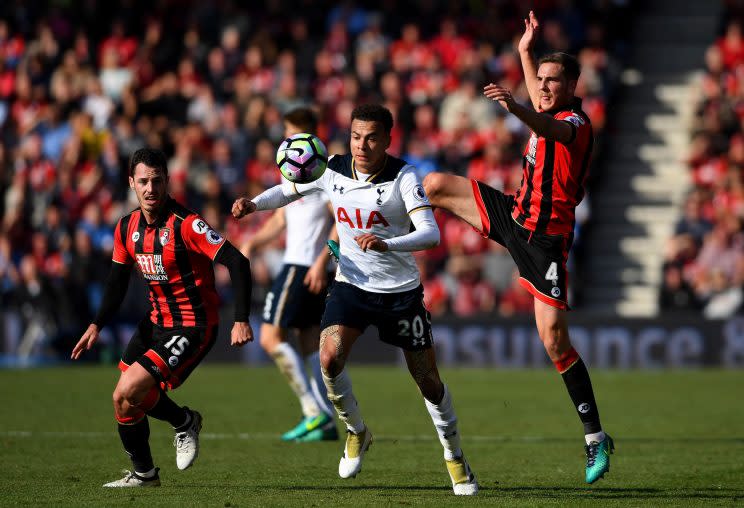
x=216, y=436
x=265, y=436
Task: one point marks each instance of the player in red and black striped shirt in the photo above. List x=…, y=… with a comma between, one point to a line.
x=174, y=250
x=536, y=225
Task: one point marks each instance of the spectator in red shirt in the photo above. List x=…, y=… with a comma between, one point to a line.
x=124, y=46
x=449, y=45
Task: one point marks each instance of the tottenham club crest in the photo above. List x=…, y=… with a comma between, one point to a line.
x=165, y=235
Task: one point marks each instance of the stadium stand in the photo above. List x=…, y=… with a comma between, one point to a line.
x=84, y=84
x=703, y=268
x=637, y=199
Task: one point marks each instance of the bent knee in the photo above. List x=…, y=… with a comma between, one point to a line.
x=122, y=406
x=269, y=343
x=330, y=363
x=129, y=393
x=124, y=395
x=271, y=336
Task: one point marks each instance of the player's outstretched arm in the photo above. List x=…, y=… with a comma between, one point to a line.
x=113, y=294
x=541, y=124
x=529, y=67
x=273, y=198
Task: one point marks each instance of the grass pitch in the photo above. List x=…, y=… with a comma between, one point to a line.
x=679, y=438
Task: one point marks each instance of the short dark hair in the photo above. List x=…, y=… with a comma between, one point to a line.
x=151, y=157
x=571, y=67
x=303, y=118
x=374, y=113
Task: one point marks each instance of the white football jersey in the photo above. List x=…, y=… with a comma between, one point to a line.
x=378, y=204
x=308, y=226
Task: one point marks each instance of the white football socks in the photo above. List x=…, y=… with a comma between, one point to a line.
x=149, y=474
x=596, y=437
x=342, y=398
x=317, y=384
x=445, y=421
x=290, y=365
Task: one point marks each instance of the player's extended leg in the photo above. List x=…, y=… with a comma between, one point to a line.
x=335, y=345
x=423, y=368
x=553, y=330
x=454, y=194
x=322, y=428
x=274, y=342
x=134, y=429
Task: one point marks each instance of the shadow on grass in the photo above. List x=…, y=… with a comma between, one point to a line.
x=557, y=493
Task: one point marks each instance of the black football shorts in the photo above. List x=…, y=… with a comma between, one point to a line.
x=401, y=318
x=540, y=258
x=290, y=304
x=170, y=355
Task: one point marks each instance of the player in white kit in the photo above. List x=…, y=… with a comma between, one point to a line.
x=376, y=197
x=297, y=297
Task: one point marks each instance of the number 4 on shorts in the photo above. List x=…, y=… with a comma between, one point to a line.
x=552, y=273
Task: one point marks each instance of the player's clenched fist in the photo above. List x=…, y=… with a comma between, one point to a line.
x=243, y=207
x=371, y=242
x=241, y=334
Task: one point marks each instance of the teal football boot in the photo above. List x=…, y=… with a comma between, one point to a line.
x=327, y=432
x=307, y=424
x=598, y=458
x=334, y=249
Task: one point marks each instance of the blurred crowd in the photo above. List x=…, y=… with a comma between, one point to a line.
x=704, y=268
x=84, y=84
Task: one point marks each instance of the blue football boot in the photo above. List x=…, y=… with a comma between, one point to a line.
x=598, y=458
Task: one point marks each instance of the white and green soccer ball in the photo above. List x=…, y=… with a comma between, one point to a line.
x=302, y=158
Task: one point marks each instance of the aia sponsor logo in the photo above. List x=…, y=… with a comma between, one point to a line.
x=151, y=266
x=360, y=220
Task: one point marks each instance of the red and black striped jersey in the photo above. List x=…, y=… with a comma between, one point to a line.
x=175, y=256
x=553, y=176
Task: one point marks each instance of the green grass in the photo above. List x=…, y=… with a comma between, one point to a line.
x=679, y=438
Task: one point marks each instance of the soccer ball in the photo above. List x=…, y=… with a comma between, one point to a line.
x=302, y=158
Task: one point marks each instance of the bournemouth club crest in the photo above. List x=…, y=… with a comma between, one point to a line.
x=165, y=235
